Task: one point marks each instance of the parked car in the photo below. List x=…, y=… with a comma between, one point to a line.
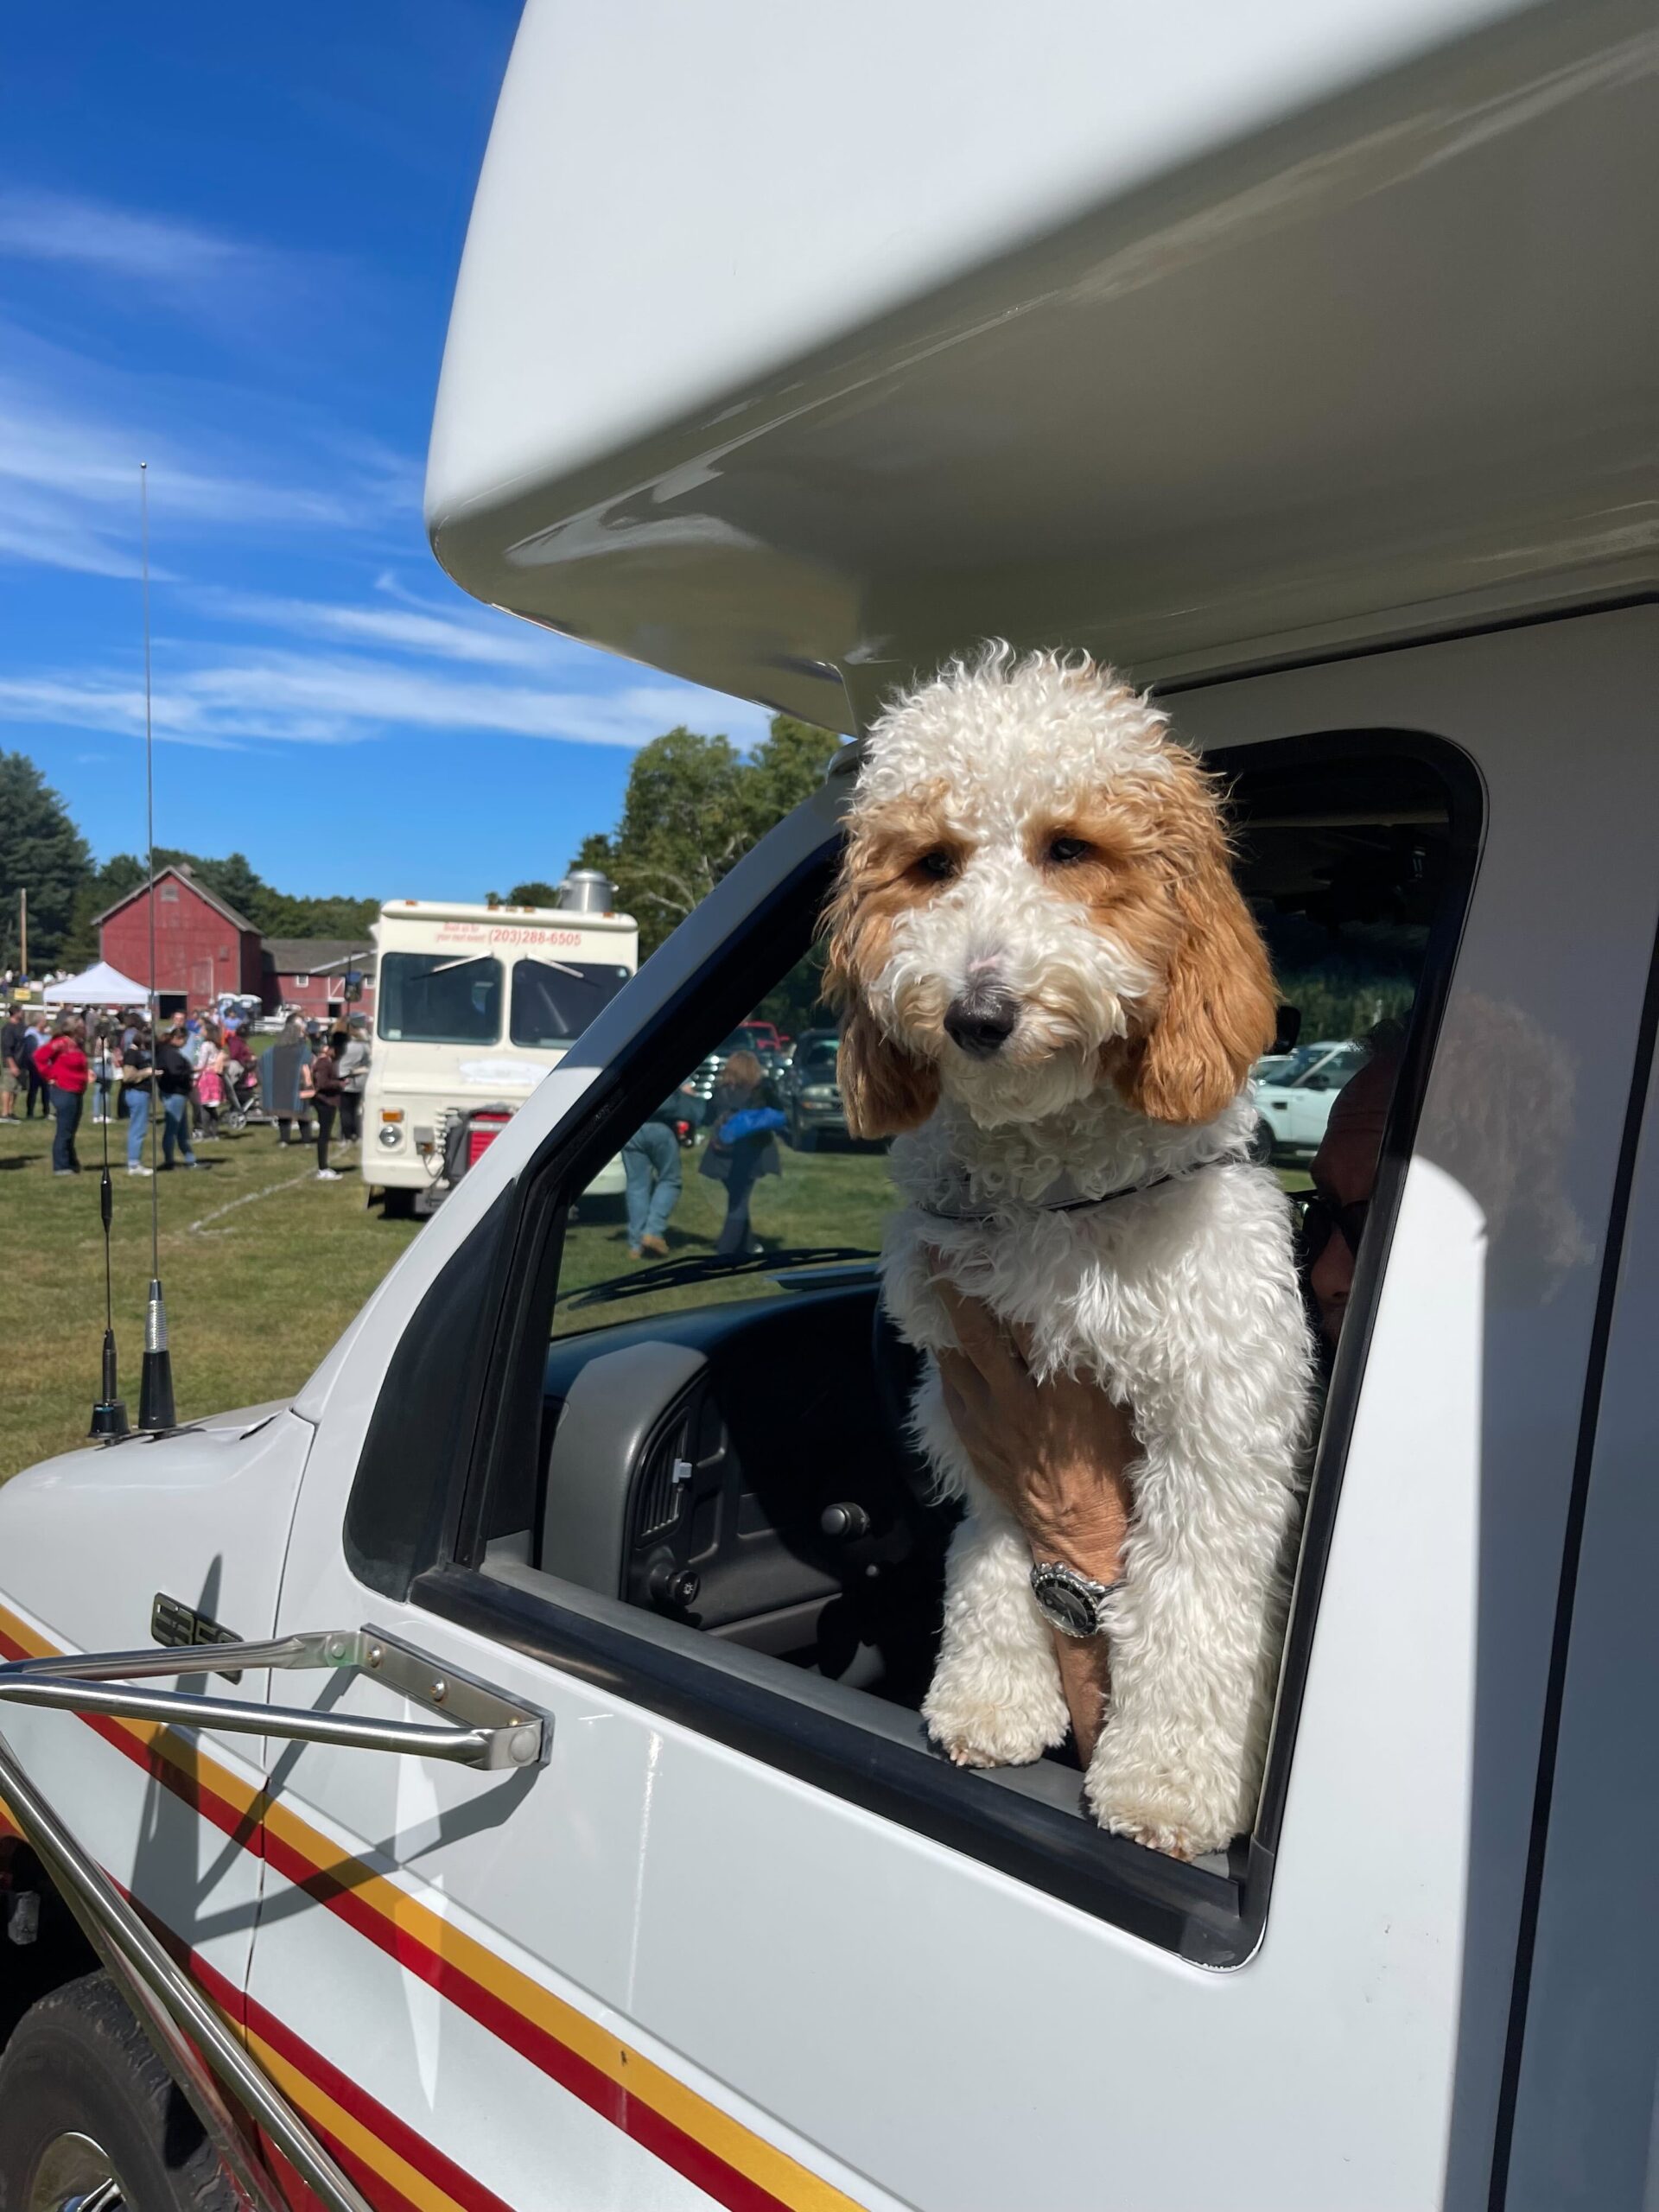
x=1296, y=1099
x=810, y=1096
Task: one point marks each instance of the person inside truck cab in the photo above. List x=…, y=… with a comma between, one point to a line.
x=1343, y=1176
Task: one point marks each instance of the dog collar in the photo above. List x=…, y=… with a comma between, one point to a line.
x=1070, y=1200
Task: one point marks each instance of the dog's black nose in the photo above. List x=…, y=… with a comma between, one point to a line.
x=981, y=1022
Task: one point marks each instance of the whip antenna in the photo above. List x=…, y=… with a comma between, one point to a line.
x=155, y=1407
x=108, y=1414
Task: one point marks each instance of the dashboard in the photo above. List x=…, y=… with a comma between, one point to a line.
x=740, y=1468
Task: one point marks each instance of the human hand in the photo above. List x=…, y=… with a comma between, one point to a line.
x=1055, y=1452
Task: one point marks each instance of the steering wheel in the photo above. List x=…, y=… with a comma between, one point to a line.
x=897, y=1369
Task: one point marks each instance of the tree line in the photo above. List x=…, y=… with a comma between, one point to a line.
x=44, y=853
x=694, y=805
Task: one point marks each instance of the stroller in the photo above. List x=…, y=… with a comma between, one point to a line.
x=241, y=1097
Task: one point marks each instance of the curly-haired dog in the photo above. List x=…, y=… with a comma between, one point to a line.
x=1050, y=978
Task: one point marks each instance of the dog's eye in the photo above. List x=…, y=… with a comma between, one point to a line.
x=1064, y=850
x=938, y=864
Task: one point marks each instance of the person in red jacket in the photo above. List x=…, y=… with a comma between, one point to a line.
x=62, y=1061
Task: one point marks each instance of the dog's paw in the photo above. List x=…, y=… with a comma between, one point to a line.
x=1183, y=1816
x=980, y=1733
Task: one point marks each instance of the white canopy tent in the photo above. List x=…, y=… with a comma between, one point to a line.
x=99, y=985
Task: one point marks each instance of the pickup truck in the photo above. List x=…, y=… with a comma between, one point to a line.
x=544, y=1815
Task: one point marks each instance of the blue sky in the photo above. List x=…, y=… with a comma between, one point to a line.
x=228, y=237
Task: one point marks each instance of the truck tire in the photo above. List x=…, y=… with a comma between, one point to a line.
x=83, y=2098
x=398, y=1204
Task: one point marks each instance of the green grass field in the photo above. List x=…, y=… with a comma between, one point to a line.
x=828, y=1197
x=263, y=1267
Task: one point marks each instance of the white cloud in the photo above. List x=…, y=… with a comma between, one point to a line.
x=413, y=626
x=298, y=699
x=56, y=226
x=55, y=533
x=215, y=279
x=100, y=702
x=69, y=485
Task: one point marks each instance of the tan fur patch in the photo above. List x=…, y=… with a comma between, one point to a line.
x=1218, y=1012
x=883, y=1089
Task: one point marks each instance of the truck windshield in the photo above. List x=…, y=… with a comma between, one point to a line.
x=554, y=1001
x=433, y=998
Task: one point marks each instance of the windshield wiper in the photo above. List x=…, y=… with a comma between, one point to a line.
x=705, y=1266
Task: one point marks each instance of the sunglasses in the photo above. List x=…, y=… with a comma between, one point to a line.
x=1322, y=1218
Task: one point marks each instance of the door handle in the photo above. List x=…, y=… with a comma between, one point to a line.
x=478, y=1725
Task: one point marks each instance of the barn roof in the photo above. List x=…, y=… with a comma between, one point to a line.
x=314, y=955
x=186, y=874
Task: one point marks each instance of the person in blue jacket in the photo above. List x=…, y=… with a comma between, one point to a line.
x=742, y=1120
x=651, y=1161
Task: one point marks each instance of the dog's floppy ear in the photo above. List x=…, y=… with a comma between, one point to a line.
x=884, y=1091
x=1219, y=1013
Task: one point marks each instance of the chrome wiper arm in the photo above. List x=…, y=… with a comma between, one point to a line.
x=707, y=1267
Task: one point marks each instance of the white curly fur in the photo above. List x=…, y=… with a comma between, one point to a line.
x=1182, y=1301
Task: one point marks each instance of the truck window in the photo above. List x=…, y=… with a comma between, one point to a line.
x=433, y=998
x=554, y=1001
x=695, y=1473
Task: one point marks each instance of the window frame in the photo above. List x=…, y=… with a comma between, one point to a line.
x=1208, y=1918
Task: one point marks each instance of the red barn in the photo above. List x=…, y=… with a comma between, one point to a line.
x=202, y=945
x=307, y=974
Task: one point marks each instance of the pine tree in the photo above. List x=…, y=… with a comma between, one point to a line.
x=43, y=853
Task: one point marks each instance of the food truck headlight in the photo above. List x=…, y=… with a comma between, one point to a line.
x=391, y=1134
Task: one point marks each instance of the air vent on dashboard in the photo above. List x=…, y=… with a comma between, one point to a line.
x=666, y=1480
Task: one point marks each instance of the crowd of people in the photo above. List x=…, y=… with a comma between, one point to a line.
x=192, y=1072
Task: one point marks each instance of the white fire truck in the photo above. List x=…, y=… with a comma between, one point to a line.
x=544, y=1817
x=473, y=1005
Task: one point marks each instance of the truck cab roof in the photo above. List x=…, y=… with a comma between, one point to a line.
x=1200, y=337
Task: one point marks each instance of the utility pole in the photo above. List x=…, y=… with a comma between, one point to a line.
x=22, y=930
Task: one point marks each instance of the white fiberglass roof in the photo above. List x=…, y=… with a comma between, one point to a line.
x=793, y=347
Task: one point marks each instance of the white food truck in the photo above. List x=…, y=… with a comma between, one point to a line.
x=473, y=1005
x=558, y=1828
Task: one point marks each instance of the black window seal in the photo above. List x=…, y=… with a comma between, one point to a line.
x=1210, y=1918
x=1466, y=813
